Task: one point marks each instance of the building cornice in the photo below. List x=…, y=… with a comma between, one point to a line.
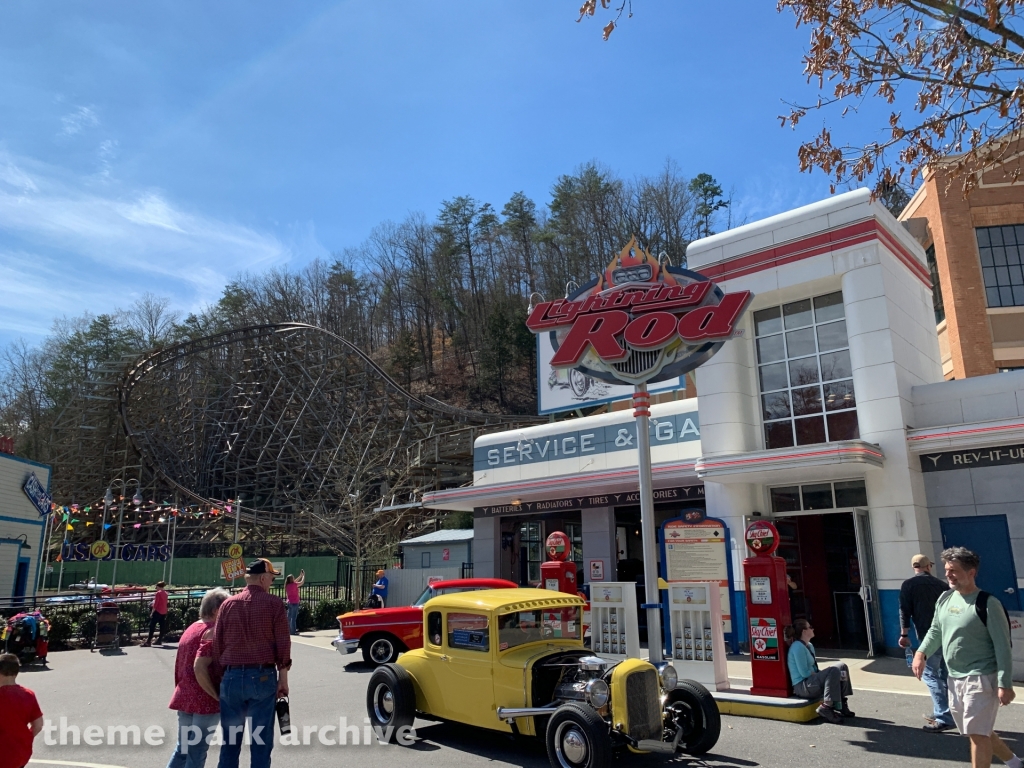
x=588, y=483
x=960, y=436
x=753, y=466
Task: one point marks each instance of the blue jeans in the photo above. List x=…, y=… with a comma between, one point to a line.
x=935, y=674
x=247, y=693
x=293, y=616
x=193, y=753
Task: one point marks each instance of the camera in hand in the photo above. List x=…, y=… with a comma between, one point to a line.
x=284, y=718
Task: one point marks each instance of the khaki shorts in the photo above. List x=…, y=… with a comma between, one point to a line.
x=974, y=703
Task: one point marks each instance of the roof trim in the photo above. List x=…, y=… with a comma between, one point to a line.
x=822, y=242
x=976, y=435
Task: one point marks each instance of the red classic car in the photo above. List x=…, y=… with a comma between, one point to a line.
x=383, y=633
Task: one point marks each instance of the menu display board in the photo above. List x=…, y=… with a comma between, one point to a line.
x=696, y=549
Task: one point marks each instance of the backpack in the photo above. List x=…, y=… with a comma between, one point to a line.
x=980, y=605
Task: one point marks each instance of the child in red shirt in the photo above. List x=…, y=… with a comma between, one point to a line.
x=22, y=719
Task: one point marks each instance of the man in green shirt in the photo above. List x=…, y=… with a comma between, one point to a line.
x=977, y=654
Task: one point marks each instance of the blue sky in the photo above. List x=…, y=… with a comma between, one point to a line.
x=167, y=146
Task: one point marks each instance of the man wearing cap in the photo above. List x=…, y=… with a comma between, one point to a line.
x=252, y=643
x=917, y=605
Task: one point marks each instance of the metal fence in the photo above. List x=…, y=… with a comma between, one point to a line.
x=356, y=582
x=467, y=570
x=135, y=608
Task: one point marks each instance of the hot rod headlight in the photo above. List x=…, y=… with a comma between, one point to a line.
x=597, y=693
x=668, y=677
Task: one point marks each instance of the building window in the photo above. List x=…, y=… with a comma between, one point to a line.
x=804, y=373
x=933, y=271
x=531, y=547
x=818, y=496
x=1001, y=264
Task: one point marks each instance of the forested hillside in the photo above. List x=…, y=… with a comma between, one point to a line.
x=439, y=301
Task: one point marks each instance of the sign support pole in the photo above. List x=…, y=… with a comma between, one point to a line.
x=642, y=413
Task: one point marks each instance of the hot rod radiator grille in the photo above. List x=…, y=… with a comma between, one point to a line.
x=638, y=362
x=643, y=705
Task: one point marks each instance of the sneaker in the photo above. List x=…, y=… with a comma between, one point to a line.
x=930, y=718
x=846, y=711
x=829, y=714
x=936, y=727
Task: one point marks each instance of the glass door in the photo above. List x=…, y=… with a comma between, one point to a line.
x=868, y=589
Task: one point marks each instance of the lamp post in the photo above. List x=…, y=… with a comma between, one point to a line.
x=108, y=500
x=48, y=532
x=137, y=501
x=238, y=514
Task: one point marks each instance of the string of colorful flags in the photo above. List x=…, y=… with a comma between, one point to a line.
x=158, y=512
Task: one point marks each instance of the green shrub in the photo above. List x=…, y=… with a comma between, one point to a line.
x=87, y=627
x=175, y=620
x=191, y=615
x=326, y=613
x=304, y=620
x=125, y=629
x=62, y=628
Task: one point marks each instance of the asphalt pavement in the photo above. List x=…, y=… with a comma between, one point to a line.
x=134, y=686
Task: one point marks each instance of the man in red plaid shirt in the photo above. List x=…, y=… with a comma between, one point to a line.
x=252, y=643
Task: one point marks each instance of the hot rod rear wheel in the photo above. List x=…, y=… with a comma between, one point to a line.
x=698, y=716
x=577, y=737
x=390, y=699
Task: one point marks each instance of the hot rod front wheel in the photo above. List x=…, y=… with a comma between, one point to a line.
x=693, y=709
x=577, y=737
x=390, y=699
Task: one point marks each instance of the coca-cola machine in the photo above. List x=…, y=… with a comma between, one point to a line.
x=768, y=612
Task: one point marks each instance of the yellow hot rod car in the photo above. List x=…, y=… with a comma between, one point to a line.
x=513, y=660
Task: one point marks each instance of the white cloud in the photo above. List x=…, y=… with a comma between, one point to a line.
x=75, y=122
x=61, y=239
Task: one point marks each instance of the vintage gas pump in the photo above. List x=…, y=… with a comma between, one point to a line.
x=767, y=611
x=558, y=573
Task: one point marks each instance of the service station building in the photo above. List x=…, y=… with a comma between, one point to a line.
x=826, y=413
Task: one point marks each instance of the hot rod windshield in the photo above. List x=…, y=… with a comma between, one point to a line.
x=523, y=627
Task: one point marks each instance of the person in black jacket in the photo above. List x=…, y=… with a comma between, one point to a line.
x=917, y=605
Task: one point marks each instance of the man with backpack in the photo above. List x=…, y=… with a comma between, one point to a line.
x=972, y=629
x=918, y=596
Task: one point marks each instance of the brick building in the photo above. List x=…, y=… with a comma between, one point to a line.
x=975, y=249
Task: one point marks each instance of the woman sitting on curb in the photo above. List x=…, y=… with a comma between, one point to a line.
x=832, y=684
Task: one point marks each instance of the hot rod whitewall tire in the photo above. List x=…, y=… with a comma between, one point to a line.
x=391, y=698
x=577, y=737
x=705, y=720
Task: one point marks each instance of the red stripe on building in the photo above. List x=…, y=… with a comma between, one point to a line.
x=816, y=245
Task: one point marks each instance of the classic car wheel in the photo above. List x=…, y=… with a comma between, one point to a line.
x=577, y=737
x=380, y=650
x=697, y=714
x=391, y=698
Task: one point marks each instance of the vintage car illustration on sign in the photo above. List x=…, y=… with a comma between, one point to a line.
x=383, y=633
x=513, y=661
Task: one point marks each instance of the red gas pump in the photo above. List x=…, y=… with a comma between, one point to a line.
x=559, y=575
x=767, y=611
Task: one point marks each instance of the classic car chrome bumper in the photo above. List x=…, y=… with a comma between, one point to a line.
x=343, y=646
